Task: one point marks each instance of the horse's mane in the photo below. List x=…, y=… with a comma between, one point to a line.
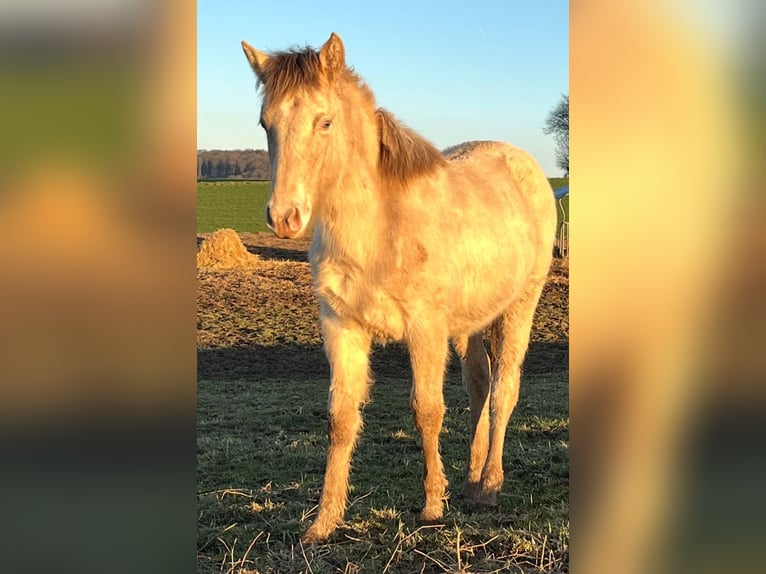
x=404, y=154
x=291, y=70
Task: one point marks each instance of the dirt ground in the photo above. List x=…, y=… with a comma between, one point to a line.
x=253, y=323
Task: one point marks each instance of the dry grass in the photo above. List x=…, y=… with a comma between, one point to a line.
x=224, y=250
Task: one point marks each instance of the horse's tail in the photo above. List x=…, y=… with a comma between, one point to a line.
x=492, y=335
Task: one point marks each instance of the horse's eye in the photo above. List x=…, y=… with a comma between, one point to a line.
x=326, y=124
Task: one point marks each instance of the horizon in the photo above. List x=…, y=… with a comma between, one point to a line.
x=515, y=57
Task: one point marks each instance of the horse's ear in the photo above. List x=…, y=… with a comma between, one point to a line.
x=333, y=56
x=257, y=60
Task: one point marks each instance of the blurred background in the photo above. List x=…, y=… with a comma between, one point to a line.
x=667, y=284
x=97, y=298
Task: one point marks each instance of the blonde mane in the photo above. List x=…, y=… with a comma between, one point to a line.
x=404, y=154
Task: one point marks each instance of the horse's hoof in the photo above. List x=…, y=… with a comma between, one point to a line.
x=314, y=536
x=430, y=517
x=479, y=499
x=430, y=521
x=488, y=498
x=472, y=492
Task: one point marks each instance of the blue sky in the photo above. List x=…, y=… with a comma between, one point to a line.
x=453, y=71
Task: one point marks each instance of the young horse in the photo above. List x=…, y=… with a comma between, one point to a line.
x=409, y=244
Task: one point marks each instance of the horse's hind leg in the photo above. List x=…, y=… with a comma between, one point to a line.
x=511, y=339
x=347, y=347
x=474, y=363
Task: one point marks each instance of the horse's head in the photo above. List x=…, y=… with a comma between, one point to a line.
x=300, y=107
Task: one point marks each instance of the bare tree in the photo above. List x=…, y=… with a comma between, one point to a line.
x=557, y=124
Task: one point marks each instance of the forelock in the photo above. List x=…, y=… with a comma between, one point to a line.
x=291, y=71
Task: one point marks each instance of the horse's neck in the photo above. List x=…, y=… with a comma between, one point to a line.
x=352, y=223
x=353, y=217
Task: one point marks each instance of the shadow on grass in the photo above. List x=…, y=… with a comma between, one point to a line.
x=279, y=253
x=291, y=361
x=287, y=361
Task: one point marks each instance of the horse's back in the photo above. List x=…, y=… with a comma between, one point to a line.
x=506, y=180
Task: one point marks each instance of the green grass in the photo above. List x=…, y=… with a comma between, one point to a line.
x=239, y=205
x=261, y=455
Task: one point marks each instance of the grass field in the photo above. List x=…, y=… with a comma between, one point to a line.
x=262, y=451
x=240, y=205
x=261, y=442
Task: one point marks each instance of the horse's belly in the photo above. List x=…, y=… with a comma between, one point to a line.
x=469, y=317
x=483, y=294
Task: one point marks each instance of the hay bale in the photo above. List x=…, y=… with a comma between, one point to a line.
x=224, y=250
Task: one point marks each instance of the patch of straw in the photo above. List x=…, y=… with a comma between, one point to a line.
x=224, y=250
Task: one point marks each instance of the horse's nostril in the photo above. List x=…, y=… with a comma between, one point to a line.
x=269, y=221
x=293, y=219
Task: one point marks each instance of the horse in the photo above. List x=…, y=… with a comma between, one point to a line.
x=409, y=244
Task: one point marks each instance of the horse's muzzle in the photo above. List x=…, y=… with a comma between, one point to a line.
x=288, y=226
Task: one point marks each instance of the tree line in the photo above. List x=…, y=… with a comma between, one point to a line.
x=233, y=164
x=254, y=163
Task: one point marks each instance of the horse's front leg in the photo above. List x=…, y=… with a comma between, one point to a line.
x=347, y=346
x=428, y=348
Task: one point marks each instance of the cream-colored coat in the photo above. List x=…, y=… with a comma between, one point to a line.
x=410, y=245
